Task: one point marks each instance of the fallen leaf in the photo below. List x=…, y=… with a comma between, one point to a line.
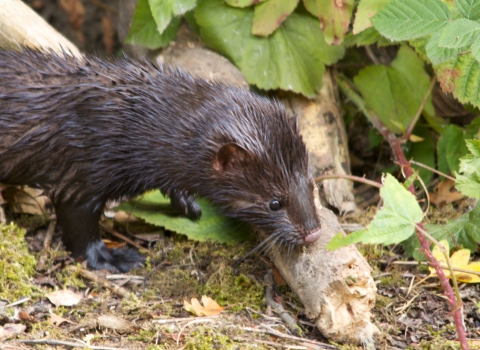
x=444, y=194
x=115, y=323
x=64, y=298
x=209, y=308
x=460, y=260
x=57, y=320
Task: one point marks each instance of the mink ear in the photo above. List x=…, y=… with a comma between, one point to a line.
x=232, y=158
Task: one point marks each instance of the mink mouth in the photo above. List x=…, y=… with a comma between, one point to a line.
x=313, y=236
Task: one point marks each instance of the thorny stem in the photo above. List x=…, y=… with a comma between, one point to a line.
x=455, y=305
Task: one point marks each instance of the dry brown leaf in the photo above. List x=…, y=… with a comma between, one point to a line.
x=209, y=308
x=64, y=298
x=57, y=320
x=444, y=195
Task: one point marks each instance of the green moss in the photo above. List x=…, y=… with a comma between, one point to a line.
x=17, y=265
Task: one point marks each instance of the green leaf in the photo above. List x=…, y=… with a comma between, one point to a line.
x=292, y=58
x=410, y=19
x=367, y=37
x=461, y=76
x=393, y=223
x=459, y=33
x=164, y=10
x=450, y=148
x=437, y=54
x=395, y=93
x=469, y=9
x=470, y=163
x=144, y=32
x=155, y=209
x=469, y=185
x=334, y=17
x=476, y=50
x=366, y=9
x=270, y=14
x=464, y=231
x=243, y=3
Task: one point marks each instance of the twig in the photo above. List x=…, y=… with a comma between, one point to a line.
x=407, y=133
x=421, y=165
x=78, y=344
x=46, y=245
x=278, y=308
x=349, y=177
x=126, y=239
x=102, y=281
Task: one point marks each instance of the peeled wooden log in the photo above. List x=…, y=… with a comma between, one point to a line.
x=21, y=26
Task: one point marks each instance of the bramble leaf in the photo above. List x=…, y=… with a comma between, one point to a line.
x=393, y=223
x=459, y=33
x=409, y=19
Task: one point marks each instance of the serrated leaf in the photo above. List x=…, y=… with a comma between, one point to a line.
x=367, y=37
x=270, y=14
x=154, y=208
x=476, y=50
x=242, y=3
x=409, y=19
x=366, y=9
x=144, y=32
x=334, y=17
x=437, y=54
x=470, y=163
x=396, y=92
x=292, y=58
x=469, y=185
x=461, y=76
x=393, y=223
x=459, y=33
x=469, y=9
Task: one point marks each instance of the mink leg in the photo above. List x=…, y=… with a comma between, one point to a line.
x=185, y=204
x=81, y=235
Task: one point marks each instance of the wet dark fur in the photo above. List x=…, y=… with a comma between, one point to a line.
x=87, y=132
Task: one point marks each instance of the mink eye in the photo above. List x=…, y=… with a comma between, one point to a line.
x=275, y=205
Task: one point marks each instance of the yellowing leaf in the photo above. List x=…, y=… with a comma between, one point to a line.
x=209, y=308
x=458, y=260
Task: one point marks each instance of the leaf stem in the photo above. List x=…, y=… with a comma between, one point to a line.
x=408, y=133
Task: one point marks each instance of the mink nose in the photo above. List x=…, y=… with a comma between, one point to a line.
x=313, y=236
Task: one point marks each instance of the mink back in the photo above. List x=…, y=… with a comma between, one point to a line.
x=89, y=130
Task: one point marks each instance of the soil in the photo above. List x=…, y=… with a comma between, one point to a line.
x=411, y=311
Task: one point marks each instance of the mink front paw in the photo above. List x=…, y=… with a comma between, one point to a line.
x=185, y=204
x=114, y=260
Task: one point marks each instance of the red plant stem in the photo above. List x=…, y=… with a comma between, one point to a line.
x=455, y=306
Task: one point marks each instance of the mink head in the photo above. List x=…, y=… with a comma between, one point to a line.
x=261, y=172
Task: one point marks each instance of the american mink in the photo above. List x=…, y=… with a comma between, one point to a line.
x=87, y=131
